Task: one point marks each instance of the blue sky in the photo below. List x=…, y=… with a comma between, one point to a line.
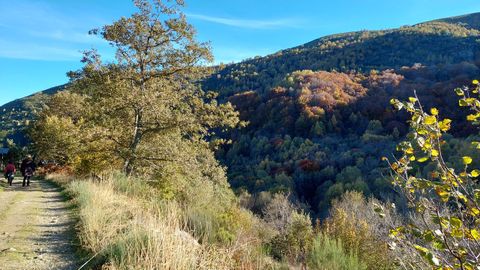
x=40, y=40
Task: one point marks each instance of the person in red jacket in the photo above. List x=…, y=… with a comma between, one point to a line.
x=10, y=171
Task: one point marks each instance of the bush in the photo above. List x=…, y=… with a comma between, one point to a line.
x=329, y=254
x=447, y=199
x=354, y=222
x=293, y=228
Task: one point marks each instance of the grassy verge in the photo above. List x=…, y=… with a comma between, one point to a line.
x=3, y=184
x=122, y=229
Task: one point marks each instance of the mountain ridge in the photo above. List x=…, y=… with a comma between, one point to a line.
x=361, y=51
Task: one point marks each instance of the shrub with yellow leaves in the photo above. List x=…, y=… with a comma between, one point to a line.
x=446, y=231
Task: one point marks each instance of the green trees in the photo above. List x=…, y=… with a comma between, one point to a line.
x=446, y=229
x=145, y=107
x=145, y=114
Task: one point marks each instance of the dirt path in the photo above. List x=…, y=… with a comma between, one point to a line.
x=35, y=228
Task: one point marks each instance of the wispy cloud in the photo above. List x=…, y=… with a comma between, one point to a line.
x=247, y=23
x=30, y=51
x=37, y=31
x=73, y=37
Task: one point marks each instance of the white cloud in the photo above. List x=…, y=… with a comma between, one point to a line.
x=246, y=23
x=36, y=31
x=31, y=51
x=73, y=37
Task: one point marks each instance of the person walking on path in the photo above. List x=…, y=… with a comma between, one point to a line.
x=10, y=171
x=27, y=168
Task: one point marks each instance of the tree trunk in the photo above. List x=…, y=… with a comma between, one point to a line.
x=136, y=138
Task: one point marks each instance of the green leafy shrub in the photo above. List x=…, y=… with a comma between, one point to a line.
x=446, y=202
x=354, y=222
x=330, y=254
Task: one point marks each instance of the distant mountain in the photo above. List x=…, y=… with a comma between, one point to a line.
x=439, y=42
x=19, y=103
x=17, y=114
x=443, y=41
x=471, y=21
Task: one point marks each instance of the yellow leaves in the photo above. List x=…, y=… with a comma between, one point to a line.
x=396, y=103
x=475, y=234
x=467, y=102
x=456, y=222
x=459, y=92
x=428, y=255
x=445, y=124
x=422, y=132
x=430, y=120
x=394, y=166
x=397, y=231
x=475, y=173
x=462, y=197
x=475, y=82
x=420, y=249
x=445, y=185
x=475, y=212
x=467, y=160
x=442, y=193
x=473, y=117
x=427, y=145
x=422, y=159
x=412, y=99
x=476, y=144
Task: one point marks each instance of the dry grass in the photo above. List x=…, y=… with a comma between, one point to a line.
x=130, y=231
x=129, y=236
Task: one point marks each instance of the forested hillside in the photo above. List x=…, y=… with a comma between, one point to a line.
x=319, y=114
x=15, y=116
x=446, y=41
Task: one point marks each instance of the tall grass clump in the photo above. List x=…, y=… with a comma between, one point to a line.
x=124, y=224
x=127, y=235
x=329, y=254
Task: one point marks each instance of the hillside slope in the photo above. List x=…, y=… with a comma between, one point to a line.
x=16, y=115
x=444, y=41
x=319, y=114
